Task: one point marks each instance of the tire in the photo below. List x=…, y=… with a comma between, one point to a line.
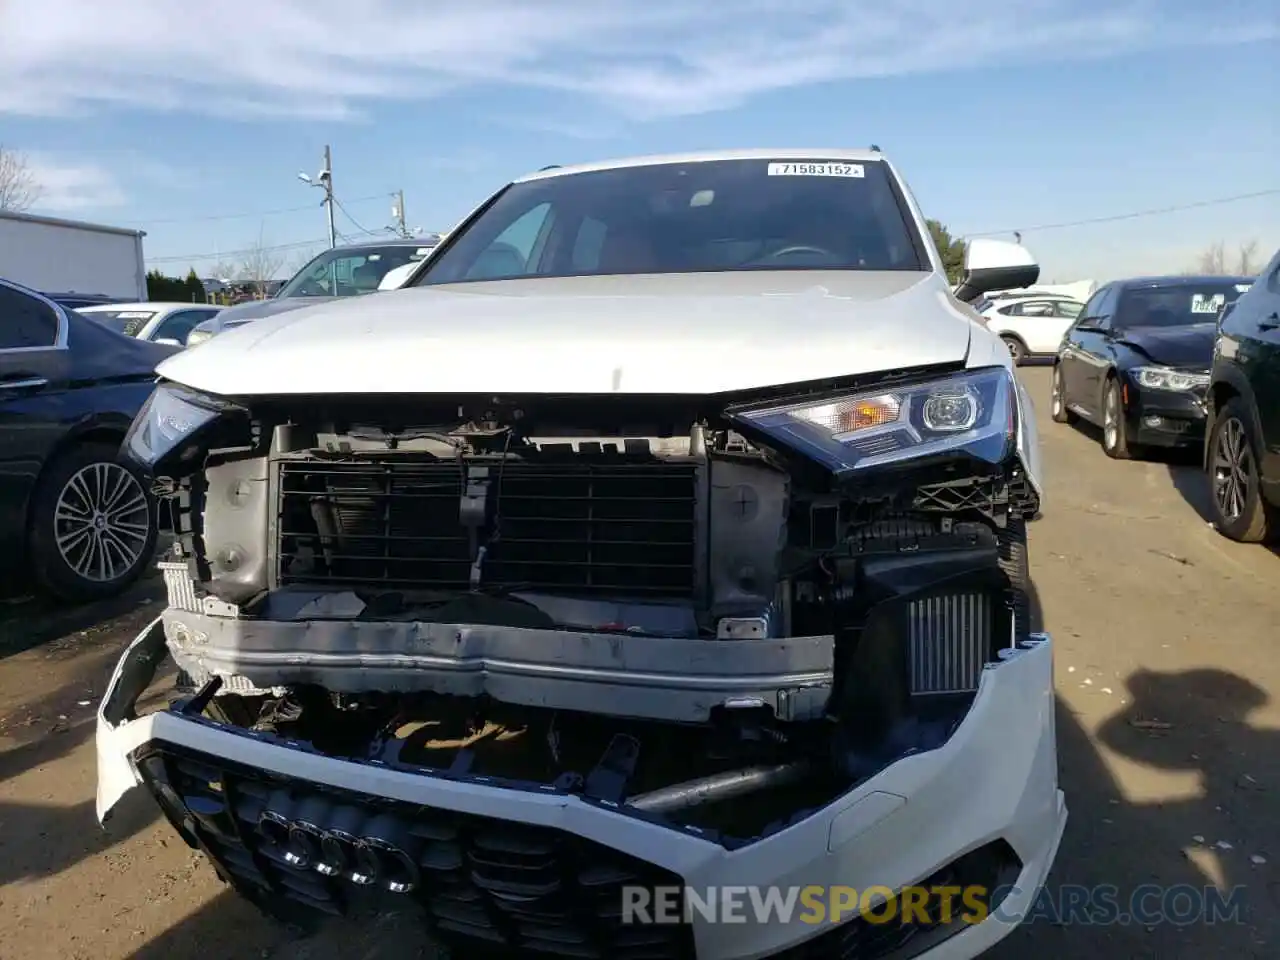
x=1017, y=349
x=1115, y=435
x=1233, y=457
x=1057, y=399
x=92, y=528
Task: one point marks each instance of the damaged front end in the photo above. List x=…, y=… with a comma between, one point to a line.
x=710, y=615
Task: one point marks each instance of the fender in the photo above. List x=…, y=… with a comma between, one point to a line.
x=1230, y=375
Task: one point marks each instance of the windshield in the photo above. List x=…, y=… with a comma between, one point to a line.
x=128, y=322
x=689, y=218
x=1177, y=305
x=349, y=272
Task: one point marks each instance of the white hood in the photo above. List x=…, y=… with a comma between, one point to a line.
x=687, y=333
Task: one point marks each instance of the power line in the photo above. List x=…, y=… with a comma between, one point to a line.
x=354, y=221
x=259, y=213
x=224, y=254
x=1131, y=216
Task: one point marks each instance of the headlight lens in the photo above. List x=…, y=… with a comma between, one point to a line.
x=170, y=416
x=972, y=412
x=1162, y=378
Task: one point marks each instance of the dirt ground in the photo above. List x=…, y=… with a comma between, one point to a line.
x=1169, y=733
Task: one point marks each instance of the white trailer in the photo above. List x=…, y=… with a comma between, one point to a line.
x=62, y=257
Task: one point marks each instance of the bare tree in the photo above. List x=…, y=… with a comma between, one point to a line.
x=1249, y=264
x=224, y=270
x=19, y=189
x=261, y=264
x=299, y=260
x=1213, y=261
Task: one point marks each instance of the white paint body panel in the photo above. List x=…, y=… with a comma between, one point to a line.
x=676, y=334
x=995, y=778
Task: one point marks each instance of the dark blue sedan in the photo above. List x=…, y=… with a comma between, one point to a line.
x=74, y=518
x=1136, y=361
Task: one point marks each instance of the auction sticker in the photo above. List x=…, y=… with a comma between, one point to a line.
x=1202, y=304
x=816, y=170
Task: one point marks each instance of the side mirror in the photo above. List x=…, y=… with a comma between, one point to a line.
x=168, y=341
x=995, y=265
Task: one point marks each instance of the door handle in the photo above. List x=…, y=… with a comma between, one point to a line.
x=23, y=382
x=1271, y=322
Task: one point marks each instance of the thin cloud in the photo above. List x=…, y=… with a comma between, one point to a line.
x=73, y=187
x=324, y=59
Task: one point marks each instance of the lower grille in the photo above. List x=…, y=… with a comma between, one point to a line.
x=578, y=526
x=985, y=876
x=477, y=879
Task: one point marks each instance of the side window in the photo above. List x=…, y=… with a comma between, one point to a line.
x=1069, y=309
x=177, y=325
x=1100, y=307
x=587, y=246
x=1037, y=308
x=25, y=321
x=1013, y=310
x=511, y=254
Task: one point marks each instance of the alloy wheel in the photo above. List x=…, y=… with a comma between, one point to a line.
x=1056, y=392
x=101, y=522
x=1232, y=470
x=1110, y=421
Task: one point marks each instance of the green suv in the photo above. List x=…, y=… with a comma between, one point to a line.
x=1242, y=442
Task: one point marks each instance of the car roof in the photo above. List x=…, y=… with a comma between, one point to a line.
x=854, y=155
x=1030, y=295
x=1179, y=280
x=430, y=241
x=154, y=305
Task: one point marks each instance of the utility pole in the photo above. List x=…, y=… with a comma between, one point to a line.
x=325, y=181
x=398, y=212
x=326, y=176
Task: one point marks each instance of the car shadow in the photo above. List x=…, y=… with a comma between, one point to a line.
x=30, y=621
x=1182, y=722
x=39, y=840
x=1192, y=483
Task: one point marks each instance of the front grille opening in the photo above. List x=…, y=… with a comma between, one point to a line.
x=985, y=875
x=582, y=527
x=477, y=880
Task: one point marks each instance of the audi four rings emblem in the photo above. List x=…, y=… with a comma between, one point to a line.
x=341, y=841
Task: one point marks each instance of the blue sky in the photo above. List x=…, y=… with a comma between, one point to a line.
x=1003, y=114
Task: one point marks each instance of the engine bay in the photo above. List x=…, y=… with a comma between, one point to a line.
x=531, y=602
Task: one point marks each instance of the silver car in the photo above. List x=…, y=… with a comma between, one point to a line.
x=347, y=271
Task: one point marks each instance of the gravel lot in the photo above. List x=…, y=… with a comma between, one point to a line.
x=1169, y=734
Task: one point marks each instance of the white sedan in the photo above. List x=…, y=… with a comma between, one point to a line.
x=155, y=321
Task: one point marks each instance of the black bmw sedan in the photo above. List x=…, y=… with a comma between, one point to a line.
x=1136, y=361
x=74, y=518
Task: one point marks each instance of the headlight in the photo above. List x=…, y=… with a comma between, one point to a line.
x=170, y=416
x=972, y=412
x=1162, y=378
x=197, y=337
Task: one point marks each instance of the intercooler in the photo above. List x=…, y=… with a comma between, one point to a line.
x=578, y=525
x=949, y=642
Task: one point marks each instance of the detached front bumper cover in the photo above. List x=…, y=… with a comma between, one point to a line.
x=993, y=783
